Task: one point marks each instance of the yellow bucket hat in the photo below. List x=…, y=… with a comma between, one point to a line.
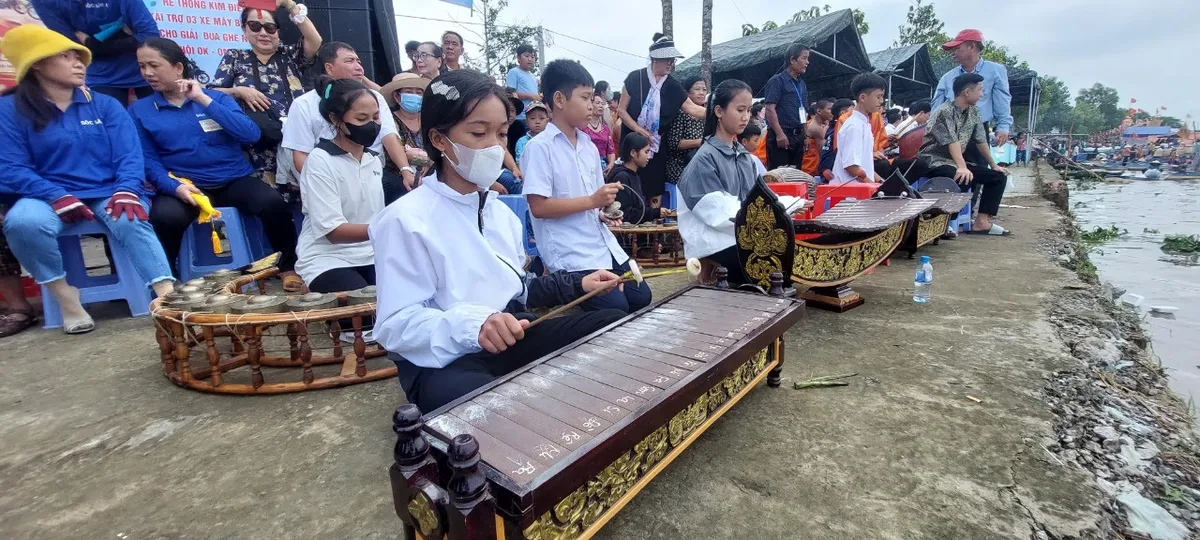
x=27, y=44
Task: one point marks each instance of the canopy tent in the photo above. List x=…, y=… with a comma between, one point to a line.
x=1022, y=84
x=909, y=71
x=837, y=56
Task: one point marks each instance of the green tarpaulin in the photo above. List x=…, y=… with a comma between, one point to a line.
x=838, y=55
x=909, y=72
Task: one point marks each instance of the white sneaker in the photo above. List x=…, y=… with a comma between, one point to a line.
x=348, y=337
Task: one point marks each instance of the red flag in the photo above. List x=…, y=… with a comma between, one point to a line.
x=268, y=5
x=1131, y=100
x=1163, y=108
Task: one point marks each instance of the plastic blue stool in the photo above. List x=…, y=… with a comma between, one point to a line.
x=520, y=207
x=125, y=284
x=672, y=197
x=965, y=219
x=260, y=246
x=196, y=258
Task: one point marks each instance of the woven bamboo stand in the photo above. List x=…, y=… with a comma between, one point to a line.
x=638, y=237
x=268, y=353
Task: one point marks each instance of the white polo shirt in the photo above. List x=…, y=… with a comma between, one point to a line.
x=305, y=127
x=336, y=189
x=556, y=170
x=855, y=146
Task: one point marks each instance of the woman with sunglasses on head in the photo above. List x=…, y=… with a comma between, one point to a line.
x=111, y=31
x=267, y=75
x=69, y=155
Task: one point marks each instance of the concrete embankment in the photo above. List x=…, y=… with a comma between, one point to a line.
x=953, y=428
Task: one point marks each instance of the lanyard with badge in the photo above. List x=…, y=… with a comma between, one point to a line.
x=800, y=99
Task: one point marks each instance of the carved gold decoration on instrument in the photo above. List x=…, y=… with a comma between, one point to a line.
x=766, y=243
x=930, y=229
x=828, y=265
x=579, y=510
x=421, y=510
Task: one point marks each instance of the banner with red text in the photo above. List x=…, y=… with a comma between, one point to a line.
x=205, y=29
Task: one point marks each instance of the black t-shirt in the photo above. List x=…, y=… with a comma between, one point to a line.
x=637, y=85
x=633, y=203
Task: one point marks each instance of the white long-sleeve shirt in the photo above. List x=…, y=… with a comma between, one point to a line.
x=439, y=275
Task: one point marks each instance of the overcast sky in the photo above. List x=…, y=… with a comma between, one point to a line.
x=1148, y=50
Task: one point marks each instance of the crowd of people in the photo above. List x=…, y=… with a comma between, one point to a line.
x=397, y=184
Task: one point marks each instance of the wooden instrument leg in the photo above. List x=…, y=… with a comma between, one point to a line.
x=774, y=377
x=840, y=298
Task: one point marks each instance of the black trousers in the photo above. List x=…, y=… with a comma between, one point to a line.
x=793, y=155
x=728, y=258
x=393, y=187
x=345, y=279
x=989, y=184
x=122, y=94
x=171, y=217
x=431, y=388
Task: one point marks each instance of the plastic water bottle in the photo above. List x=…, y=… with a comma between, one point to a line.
x=923, y=281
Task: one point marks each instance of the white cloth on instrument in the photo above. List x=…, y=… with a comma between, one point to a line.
x=708, y=228
x=439, y=276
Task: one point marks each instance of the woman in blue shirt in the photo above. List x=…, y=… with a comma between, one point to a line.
x=111, y=29
x=190, y=132
x=69, y=155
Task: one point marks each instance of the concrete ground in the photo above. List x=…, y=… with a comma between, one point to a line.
x=98, y=444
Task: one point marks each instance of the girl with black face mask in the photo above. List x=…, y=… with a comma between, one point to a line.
x=341, y=190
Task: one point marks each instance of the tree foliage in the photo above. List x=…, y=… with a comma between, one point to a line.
x=922, y=25
x=500, y=41
x=1054, y=110
x=1104, y=101
x=860, y=20
x=1000, y=54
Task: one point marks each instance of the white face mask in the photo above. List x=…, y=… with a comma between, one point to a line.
x=479, y=167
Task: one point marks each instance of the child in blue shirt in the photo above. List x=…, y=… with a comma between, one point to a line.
x=537, y=115
x=190, y=132
x=69, y=155
x=566, y=190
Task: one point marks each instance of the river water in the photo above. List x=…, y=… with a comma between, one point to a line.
x=1136, y=263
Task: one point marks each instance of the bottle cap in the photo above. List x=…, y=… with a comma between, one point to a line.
x=924, y=259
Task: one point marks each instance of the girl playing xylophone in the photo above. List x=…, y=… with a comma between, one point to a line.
x=717, y=180
x=448, y=259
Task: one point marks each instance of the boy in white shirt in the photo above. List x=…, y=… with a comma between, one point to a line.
x=448, y=256
x=565, y=187
x=855, y=143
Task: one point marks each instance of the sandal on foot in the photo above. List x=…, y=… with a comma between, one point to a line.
x=11, y=325
x=79, y=327
x=996, y=230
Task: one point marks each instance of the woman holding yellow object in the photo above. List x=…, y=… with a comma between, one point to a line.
x=189, y=132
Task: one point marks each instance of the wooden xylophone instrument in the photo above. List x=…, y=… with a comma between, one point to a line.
x=828, y=251
x=555, y=449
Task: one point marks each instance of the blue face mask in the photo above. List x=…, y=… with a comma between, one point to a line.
x=411, y=103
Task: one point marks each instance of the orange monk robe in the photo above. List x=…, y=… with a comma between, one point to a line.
x=881, y=138
x=761, y=151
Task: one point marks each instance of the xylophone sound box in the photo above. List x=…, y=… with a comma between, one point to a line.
x=557, y=448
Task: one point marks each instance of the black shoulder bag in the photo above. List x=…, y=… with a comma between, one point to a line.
x=269, y=122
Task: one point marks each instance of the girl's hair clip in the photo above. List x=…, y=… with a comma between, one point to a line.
x=445, y=90
x=328, y=89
